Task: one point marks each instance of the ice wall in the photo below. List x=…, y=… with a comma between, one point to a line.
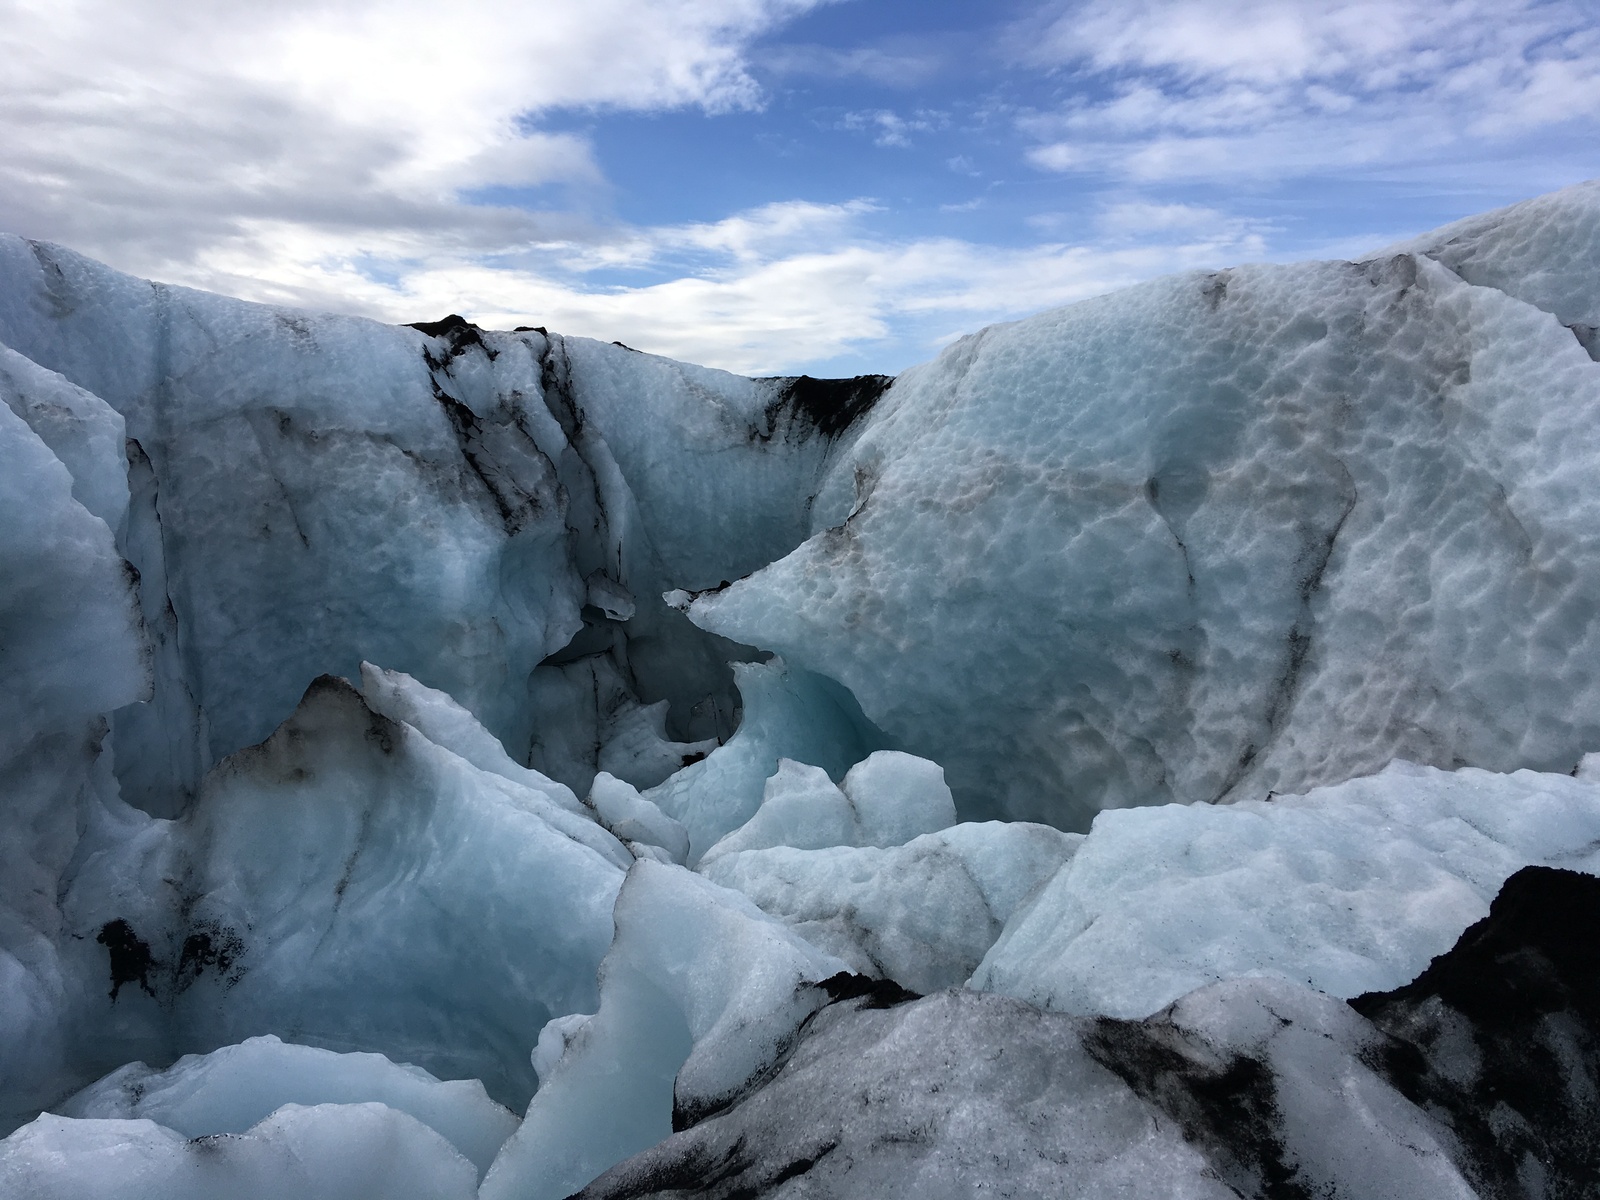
x=1225, y=534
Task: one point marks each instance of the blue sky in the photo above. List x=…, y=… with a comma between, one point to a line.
x=770, y=185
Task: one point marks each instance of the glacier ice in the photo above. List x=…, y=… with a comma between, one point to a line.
x=1348, y=889
x=1476, y=1080
x=1214, y=536
x=233, y=1089
x=787, y=714
x=923, y=914
x=323, y=1152
x=405, y=728
x=700, y=994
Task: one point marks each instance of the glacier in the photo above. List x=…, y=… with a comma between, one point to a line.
x=1145, y=750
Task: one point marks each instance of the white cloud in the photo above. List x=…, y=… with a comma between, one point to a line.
x=154, y=134
x=780, y=288
x=1219, y=89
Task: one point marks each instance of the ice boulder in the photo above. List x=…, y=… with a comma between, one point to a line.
x=1211, y=537
x=326, y=1152
x=353, y=885
x=700, y=996
x=885, y=800
x=634, y=819
x=1347, y=889
x=233, y=1089
x=923, y=914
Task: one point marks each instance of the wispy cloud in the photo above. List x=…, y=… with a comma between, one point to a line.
x=1217, y=89
x=783, y=287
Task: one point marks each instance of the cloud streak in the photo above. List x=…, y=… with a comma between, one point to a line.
x=1217, y=89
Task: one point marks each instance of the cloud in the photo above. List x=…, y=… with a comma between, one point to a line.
x=784, y=287
x=156, y=134
x=1194, y=90
x=889, y=128
x=897, y=63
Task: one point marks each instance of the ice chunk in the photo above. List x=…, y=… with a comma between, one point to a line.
x=885, y=800
x=353, y=885
x=326, y=1152
x=787, y=714
x=554, y=1038
x=897, y=797
x=445, y=723
x=232, y=1089
x=71, y=648
x=634, y=819
x=82, y=430
x=1348, y=889
x=1210, y=537
x=800, y=807
x=700, y=994
x=923, y=914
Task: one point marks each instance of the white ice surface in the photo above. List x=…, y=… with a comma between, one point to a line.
x=787, y=714
x=634, y=819
x=1214, y=536
x=1545, y=251
x=327, y=1152
x=699, y=995
x=1348, y=889
x=232, y=1089
x=923, y=914
x=885, y=800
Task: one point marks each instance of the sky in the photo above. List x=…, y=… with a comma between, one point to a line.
x=769, y=186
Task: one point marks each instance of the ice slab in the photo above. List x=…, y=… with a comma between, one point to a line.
x=634, y=819
x=233, y=1089
x=326, y=1152
x=1348, y=889
x=923, y=914
x=700, y=995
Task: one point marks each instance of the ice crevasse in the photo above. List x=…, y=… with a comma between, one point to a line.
x=442, y=762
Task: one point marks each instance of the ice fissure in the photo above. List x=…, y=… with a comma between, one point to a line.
x=1145, y=750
